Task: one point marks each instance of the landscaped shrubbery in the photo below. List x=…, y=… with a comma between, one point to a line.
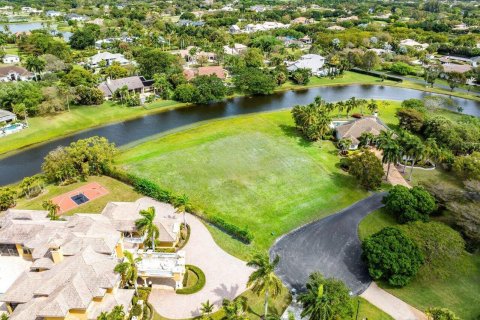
x=409, y=204
x=198, y=285
x=367, y=169
x=151, y=189
x=392, y=256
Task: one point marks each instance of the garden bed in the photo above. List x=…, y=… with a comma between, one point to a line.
x=193, y=281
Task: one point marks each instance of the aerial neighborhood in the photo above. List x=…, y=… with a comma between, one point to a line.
x=239, y=160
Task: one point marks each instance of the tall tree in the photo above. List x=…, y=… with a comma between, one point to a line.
x=128, y=269
x=390, y=149
x=35, y=64
x=180, y=205
x=263, y=280
x=146, y=225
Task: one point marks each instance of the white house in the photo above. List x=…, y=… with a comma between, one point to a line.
x=108, y=58
x=30, y=10
x=413, y=44
x=11, y=59
x=77, y=17
x=313, y=62
x=53, y=14
x=235, y=50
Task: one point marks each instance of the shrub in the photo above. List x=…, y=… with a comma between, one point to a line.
x=392, y=256
x=440, y=314
x=468, y=167
x=409, y=204
x=402, y=68
x=88, y=96
x=197, y=286
x=410, y=119
x=7, y=198
x=151, y=189
x=367, y=169
x=243, y=235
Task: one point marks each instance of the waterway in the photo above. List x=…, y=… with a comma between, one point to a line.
x=29, y=26
x=28, y=162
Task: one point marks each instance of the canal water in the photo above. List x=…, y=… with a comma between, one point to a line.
x=29, y=26
x=27, y=162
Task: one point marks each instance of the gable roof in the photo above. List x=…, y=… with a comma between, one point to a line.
x=110, y=86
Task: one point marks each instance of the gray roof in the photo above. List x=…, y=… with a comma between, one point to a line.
x=353, y=130
x=5, y=71
x=110, y=86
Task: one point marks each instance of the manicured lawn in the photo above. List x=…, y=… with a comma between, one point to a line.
x=118, y=191
x=347, y=78
x=366, y=310
x=458, y=291
x=79, y=118
x=253, y=171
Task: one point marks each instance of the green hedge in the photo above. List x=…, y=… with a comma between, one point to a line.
x=200, y=283
x=377, y=74
x=151, y=189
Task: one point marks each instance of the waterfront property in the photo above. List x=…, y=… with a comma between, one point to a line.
x=312, y=62
x=134, y=84
x=352, y=130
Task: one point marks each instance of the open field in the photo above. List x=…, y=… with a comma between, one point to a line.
x=118, y=191
x=253, y=171
x=457, y=291
x=79, y=118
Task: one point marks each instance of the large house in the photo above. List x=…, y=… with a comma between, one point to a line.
x=107, y=58
x=352, y=130
x=135, y=84
x=313, y=62
x=235, y=50
x=218, y=71
x=70, y=271
x=413, y=44
x=15, y=73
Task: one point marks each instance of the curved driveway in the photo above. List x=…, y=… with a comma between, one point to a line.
x=330, y=245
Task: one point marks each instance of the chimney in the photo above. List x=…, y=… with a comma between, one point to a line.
x=57, y=255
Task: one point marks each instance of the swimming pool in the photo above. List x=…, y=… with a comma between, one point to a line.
x=11, y=128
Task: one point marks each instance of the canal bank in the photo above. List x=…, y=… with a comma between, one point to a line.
x=27, y=162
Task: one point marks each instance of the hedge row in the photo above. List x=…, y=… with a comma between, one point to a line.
x=377, y=74
x=152, y=190
x=197, y=286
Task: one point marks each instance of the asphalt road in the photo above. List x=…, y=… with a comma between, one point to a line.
x=330, y=245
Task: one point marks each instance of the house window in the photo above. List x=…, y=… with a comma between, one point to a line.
x=27, y=251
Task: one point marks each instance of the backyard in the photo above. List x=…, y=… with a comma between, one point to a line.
x=79, y=118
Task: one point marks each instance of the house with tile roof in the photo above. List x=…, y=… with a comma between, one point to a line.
x=15, y=73
x=135, y=84
x=71, y=275
x=352, y=130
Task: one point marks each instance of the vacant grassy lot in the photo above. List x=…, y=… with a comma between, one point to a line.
x=118, y=191
x=459, y=291
x=253, y=171
x=79, y=118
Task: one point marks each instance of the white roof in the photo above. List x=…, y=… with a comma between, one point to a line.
x=108, y=56
x=308, y=61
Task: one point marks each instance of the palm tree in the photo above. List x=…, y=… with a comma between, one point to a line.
x=180, y=205
x=235, y=309
x=391, y=154
x=52, y=209
x=344, y=144
x=416, y=151
x=146, y=225
x=316, y=304
x=366, y=139
x=263, y=279
x=207, y=308
x=35, y=65
x=372, y=106
x=128, y=269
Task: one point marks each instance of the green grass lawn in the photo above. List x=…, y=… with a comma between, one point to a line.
x=118, y=191
x=458, y=291
x=347, y=78
x=253, y=171
x=79, y=118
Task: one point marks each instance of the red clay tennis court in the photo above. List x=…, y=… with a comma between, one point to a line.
x=77, y=197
